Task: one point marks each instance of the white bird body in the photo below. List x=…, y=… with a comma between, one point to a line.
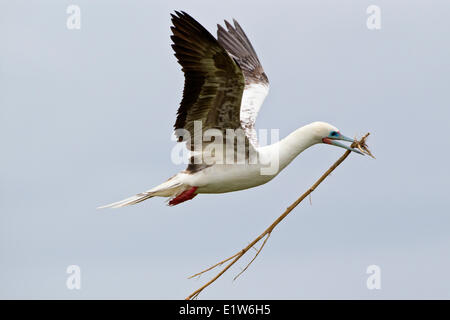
x=225, y=87
x=221, y=178
x=226, y=178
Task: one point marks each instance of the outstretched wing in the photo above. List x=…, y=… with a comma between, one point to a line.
x=256, y=88
x=214, y=83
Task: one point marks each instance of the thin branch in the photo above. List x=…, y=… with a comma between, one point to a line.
x=212, y=267
x=251, y=261
x=361, y=144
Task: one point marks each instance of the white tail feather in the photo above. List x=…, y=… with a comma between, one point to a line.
x=128, y=201
x=169, y=188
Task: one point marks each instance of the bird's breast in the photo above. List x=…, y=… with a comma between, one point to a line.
x=228, y=178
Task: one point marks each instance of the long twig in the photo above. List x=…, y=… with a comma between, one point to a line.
x=256, y=255
x=361, y=144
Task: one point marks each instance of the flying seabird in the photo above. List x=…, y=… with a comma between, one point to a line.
x=225, y=86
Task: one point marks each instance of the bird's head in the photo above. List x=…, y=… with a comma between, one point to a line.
x=326, y=133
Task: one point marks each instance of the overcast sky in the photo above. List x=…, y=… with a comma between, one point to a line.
x=86, y=119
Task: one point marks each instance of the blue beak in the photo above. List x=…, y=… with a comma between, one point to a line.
x=332, y=141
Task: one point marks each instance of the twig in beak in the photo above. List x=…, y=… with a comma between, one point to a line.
x=362, y=145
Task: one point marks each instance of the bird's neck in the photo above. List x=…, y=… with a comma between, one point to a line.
x=291, y=146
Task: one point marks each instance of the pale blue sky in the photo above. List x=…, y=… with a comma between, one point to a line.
x=86, y=119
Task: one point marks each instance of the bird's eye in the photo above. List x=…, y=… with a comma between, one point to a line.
x=334, y=133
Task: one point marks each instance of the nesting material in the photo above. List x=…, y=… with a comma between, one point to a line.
x=362, y=145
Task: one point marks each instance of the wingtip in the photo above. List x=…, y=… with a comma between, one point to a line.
x=228, y=25
x=220, y=28
x=178, y=15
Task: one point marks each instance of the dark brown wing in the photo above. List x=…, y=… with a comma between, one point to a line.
x=214, y=83
x=235, y=41
x=256, y=88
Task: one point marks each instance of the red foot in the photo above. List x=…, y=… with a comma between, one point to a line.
x=184, y=196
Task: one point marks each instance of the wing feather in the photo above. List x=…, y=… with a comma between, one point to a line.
x=214, y=83
x=238, y=46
